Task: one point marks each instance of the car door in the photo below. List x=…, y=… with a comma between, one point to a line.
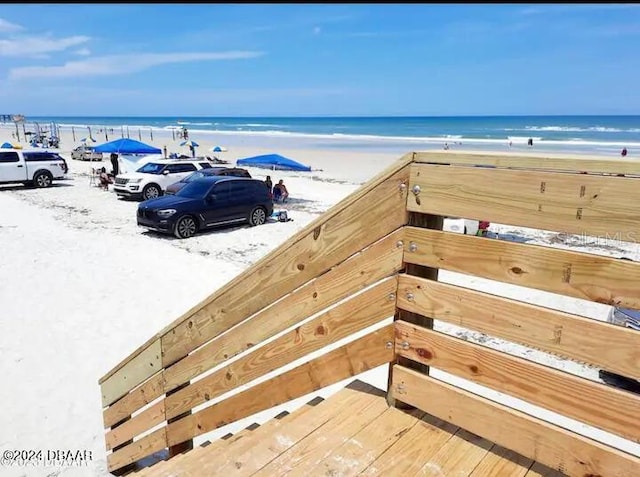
x=241, y=199
x=218, y=204
x=176, y=172
x=12, y=169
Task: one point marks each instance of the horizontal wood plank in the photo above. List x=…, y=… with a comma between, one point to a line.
x=551, y=445
x=138, y=424
x=533, y=160
x=587, y=205
x=154, y=442
x=354, y=358
x=356, y=314
x=136, y=399
x=576, y=274
x=572, y=396
x=610, y=347
x=136, y=371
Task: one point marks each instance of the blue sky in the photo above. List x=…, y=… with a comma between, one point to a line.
x=340, y=59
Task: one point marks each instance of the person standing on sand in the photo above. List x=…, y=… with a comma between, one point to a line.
x=623, y=153
x=269, y=183
x=114, y=164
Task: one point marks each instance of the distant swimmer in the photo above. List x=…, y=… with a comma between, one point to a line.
x=624, y=152
x=446, y=146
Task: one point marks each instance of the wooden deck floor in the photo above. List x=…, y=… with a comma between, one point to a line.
x=354, y=432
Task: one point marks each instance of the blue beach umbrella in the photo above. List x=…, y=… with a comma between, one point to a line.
x=219, y=149
x=189, y=143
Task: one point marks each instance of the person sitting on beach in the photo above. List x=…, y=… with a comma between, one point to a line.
x=105, y=179
x=280, y=192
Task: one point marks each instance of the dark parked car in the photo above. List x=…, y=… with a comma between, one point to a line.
x=206, y=202
x=213, y=171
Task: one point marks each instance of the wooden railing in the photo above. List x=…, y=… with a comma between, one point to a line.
x=376, y=255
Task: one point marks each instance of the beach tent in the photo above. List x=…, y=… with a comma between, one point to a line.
x=8, y=145
x=274, y=162
x=127, y=146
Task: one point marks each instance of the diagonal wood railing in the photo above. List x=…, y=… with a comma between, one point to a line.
x=349, y=272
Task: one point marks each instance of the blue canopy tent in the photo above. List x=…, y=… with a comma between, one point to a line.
x=274, y=162
x=127, y=146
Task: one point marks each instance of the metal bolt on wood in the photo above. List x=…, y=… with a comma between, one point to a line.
x=403, y=186
x=400, y=389
x=392, y=296
x=405, y=345
x=389, y=345
x=410, y=296
x=413, y=247
x=416, y=189
x=399, y=244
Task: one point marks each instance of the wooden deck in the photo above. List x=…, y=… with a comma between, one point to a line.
x=354, y=432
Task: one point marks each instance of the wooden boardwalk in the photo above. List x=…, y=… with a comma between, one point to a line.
x=354, y=432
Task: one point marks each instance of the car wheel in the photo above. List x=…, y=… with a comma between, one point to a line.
x=258, y=216
x=42, y=179
x=151, y=191
x=185, y=227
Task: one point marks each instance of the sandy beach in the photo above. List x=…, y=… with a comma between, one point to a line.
x=83, y=286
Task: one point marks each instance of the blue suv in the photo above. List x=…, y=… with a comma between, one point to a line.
x=207, y=202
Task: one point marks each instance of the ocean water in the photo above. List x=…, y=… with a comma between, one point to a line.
x=598, y=134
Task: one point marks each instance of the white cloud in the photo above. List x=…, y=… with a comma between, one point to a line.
x=83, y=52
x=122, y=64
x=8, y=27
x=34, y=45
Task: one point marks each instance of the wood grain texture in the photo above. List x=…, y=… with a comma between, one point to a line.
x=351, y=316
x=501, y=462
x=410, y=452
x=580, y=275
x=460, y=455
x=587, y=205
x=138, y=424
x=358, y=356
x=136, y=371
x=248, y=457
x=306, y=454
x=531, y=160
x=593, y=403
x=136, y=399
x=365, y=446
x=137, y=450
x=582, y=339
x=546, y=443
x=380, y=260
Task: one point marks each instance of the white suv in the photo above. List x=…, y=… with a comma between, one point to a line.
x=151, y=180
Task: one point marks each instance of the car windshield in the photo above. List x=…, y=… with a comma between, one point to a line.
x=193, y=177
x=151, y=168
x=195, y=190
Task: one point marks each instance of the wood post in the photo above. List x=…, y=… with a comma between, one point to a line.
x=427, y=221
x=130, y=467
